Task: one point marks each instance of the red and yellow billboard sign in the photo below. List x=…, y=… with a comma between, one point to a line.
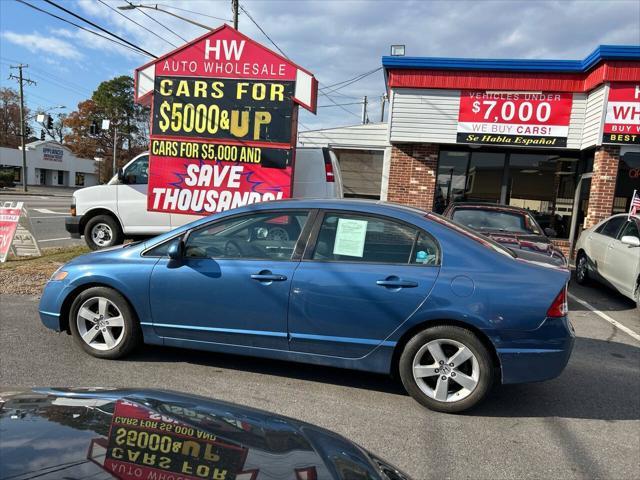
x=223, y=123
x=525, y=119
x=622, y=120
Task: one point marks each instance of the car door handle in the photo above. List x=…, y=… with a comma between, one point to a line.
x=268, y=277
x=396, y=283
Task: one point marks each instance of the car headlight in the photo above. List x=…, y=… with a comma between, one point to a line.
x=58, y=275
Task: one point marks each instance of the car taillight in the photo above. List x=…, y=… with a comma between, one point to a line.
x=559, y=307
x=328, y=170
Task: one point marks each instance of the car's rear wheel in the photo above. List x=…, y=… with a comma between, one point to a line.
x=446, y=368
x=103, y=323
x=102, y=231
x=582, y=268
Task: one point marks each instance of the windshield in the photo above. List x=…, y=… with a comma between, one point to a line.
x=486, y=241
x=496, y=220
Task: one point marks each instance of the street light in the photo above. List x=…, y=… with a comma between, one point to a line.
x=155, y=7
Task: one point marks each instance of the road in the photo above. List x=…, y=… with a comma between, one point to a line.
x=584, y=424
x=47, y=212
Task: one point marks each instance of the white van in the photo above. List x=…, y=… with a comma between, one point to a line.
x=108, y=214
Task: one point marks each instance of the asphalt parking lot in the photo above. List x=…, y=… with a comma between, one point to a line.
x=584, y=424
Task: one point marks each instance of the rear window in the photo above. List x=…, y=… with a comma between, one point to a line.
x=495, y=220
x=467, y=232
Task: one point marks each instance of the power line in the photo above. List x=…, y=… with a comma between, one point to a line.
x=285, y=55
x=81, y=27
x=351, y=81
x=59, y=84
x=50, y=76
x=50, y=2
x=263, y=32
x=194, y=12
x=340, y=104
x=156, y=21
x=138, y=24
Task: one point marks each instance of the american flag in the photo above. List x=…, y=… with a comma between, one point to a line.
x=635, y=204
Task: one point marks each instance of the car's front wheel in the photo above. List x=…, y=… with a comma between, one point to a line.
x=446, y=368
x=102, y=231
x=103, y=323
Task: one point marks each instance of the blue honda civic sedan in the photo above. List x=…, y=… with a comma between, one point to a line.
x=354, y=284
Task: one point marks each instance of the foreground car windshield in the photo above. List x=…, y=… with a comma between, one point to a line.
x=496, y=220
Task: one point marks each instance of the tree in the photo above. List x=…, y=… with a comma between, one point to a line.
x=79, y=138
x=10, y=118
x=115, y=98
x=59, y=130
x=113, y=101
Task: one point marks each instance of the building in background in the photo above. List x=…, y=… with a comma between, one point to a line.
x=363, y=152
x=49, y=163
x=558, y=137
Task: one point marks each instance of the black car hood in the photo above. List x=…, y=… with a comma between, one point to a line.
x=537, y=244
x=152, y=434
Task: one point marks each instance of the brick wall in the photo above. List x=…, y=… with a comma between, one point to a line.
x=603, y=184
x=412, y=174
x=563, y=245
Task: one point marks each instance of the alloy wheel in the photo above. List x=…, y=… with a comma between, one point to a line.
x=446, y=370
x=100, y=323
x=102, y=235
x=581, y=269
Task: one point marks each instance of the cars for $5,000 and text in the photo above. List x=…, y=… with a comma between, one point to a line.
x=353, y=284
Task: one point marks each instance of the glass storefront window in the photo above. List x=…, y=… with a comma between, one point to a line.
x=628, y=180
x=484, y=177
x=543, y=183
x=452, y=178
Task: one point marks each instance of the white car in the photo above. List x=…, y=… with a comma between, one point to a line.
x=610, y=252
x=108, y=214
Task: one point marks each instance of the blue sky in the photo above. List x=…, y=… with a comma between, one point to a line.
x=336, y=40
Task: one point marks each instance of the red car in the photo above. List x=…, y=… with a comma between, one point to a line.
x=513, y=227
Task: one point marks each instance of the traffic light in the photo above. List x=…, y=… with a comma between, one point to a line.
x=49, y=122
x=41, y=134
x=93, y=129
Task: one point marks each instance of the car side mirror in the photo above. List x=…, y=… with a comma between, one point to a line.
x=550, y=232
x=121, y=178
x=631, y=241
x=176, y=250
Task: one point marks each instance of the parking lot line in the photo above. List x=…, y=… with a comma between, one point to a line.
x=53, y=239
x=46, y=210
x=606, y=317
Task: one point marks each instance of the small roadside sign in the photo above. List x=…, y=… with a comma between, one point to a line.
x=15, y=232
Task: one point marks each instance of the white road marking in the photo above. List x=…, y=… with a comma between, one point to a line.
x=606, y=317
x=54, y=239
x=44, y=198
x=46, y=210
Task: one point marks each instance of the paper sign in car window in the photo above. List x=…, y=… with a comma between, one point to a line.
x=350, y=237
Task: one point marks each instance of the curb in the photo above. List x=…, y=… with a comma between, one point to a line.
x=33, y=194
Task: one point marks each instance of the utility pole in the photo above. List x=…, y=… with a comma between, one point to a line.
x=23, y=129
x=234, y=10
x=364, y=109
x=383, y=99
x=115, y=146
